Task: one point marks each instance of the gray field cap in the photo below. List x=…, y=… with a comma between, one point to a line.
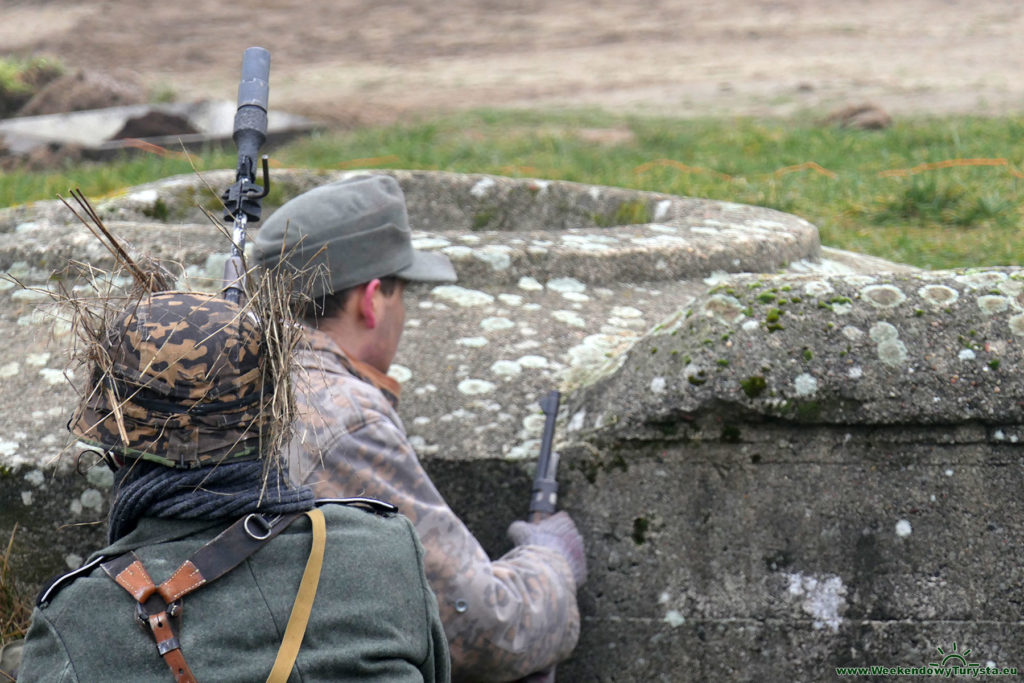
x=362, y=227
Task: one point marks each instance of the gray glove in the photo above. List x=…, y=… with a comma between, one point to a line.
x=557, y=532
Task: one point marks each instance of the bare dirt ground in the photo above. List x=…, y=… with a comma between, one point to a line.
x=364, y=61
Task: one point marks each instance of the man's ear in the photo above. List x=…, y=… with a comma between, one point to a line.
x=366, y=303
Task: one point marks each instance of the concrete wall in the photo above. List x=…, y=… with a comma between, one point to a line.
x=775, y=474
x=808, y=473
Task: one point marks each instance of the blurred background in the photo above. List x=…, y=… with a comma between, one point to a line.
x=893, y=126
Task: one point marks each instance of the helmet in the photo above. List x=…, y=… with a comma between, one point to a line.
x=178, y=381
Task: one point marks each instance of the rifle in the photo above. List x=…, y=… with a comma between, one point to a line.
x=242, y=199
x=544, y=495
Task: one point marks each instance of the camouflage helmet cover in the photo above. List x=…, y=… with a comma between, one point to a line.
x=184, y=385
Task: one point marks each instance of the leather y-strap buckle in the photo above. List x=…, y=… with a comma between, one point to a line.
x=155, y=605
x=162, y=621
x=159, y=608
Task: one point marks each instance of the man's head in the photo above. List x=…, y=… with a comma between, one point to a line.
x=178, y=380
x=352, y=245
x=356, y=230
x=366, y=320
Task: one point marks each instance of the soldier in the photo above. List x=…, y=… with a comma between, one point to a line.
x=210, y=573
x=504, y=619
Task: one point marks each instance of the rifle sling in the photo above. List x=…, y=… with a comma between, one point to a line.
x=303, y=605
x=159, y=607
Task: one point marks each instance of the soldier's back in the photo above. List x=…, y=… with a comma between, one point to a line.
x=373, y=618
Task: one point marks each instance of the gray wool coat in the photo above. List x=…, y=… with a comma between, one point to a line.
x=374, y=617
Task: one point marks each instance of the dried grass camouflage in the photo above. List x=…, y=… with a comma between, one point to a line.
x=179, y=381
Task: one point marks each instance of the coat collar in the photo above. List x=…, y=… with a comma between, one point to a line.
x=387, y=385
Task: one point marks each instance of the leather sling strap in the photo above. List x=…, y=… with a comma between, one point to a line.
x=299, y=618
x=159, y=606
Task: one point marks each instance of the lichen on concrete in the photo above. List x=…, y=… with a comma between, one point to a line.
x=857, y=347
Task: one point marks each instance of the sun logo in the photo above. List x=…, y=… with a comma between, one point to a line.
x=953, y=658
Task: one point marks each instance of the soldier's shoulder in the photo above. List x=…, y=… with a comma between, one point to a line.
x=52, y=588
x=366, y=518
x=373, y=506
x=376, y=528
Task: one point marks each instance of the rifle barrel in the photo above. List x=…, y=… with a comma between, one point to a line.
x=544, y=495
x=251, y=116
x=549, y=404
x=242, y=199
x=254, y=88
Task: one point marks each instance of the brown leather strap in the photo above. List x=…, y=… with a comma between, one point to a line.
x=169, y=648
x=225, y=552
x=128, y=572
x=215, y=559
x=186, y=579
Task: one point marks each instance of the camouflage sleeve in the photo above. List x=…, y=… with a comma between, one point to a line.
x=503, y=619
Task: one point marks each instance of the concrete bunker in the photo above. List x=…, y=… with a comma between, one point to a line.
x=752, y=509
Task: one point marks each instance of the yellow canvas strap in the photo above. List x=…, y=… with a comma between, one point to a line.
x=299, y=618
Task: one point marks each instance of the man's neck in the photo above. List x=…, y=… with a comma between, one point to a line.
x=348, y=337
x=388, y=385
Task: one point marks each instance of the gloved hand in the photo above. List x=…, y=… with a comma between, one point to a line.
x=557, y=532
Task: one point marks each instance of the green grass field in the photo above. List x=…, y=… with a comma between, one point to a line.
x=936, y=193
